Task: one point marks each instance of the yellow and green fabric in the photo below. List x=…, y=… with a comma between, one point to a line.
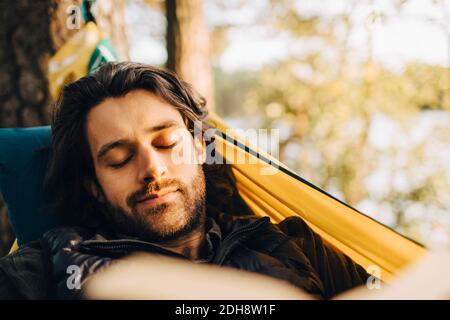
x=84, y=52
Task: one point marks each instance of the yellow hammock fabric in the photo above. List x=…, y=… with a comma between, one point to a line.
x=71, y=61
x=278, y=196
x=374, y=246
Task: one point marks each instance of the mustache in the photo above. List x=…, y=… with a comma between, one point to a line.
x=154, y=186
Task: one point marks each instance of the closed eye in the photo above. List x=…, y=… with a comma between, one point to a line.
x=164, y=147
x=121, y=164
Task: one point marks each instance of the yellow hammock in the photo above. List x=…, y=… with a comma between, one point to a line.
x=277, y=195
x=283, y=193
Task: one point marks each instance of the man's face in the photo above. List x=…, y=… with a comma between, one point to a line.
x=148, y=193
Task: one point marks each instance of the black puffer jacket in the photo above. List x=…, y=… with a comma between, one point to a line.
x=290, y=251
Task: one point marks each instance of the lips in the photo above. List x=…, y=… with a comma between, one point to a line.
x=159, y=194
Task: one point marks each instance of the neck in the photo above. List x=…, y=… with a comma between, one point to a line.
x=191, y=245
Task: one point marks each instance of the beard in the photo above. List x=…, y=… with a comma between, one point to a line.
x=162, y=222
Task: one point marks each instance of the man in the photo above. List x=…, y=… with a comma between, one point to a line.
x=116, y=179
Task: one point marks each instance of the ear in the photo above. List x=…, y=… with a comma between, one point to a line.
x=94, y=189
x=200, y=149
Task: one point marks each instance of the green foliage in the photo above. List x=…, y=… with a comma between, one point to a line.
x=330, y=105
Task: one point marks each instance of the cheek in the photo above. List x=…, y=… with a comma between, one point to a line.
x=183, y=172
x=185, y=154
x=181, y=161
x=115, y=187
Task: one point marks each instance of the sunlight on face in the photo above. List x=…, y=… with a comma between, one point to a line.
x=132, y=141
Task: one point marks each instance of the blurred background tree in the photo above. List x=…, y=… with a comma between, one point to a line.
x=372, y=134
x=187, y=41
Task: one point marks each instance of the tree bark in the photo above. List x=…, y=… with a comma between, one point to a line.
x=188, y=45
x=30, y=33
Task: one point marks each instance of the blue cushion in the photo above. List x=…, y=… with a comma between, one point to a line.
x=22, y=169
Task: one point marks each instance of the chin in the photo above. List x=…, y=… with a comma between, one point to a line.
x=167, y=223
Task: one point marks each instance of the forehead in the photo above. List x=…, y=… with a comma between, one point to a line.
x=128, y=117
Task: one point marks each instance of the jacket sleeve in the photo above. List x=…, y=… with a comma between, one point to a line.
x=70, y=268
x=23, y=274
x=7, y=289
x=337, y=271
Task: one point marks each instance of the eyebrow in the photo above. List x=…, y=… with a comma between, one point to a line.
x=125, y=142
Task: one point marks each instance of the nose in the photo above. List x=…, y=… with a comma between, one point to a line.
x=151, y=166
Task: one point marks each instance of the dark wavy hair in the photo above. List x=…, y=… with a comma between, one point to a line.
x=70, y=162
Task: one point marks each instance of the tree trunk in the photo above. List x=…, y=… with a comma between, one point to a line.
x=188, y=45
x=30, y=33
